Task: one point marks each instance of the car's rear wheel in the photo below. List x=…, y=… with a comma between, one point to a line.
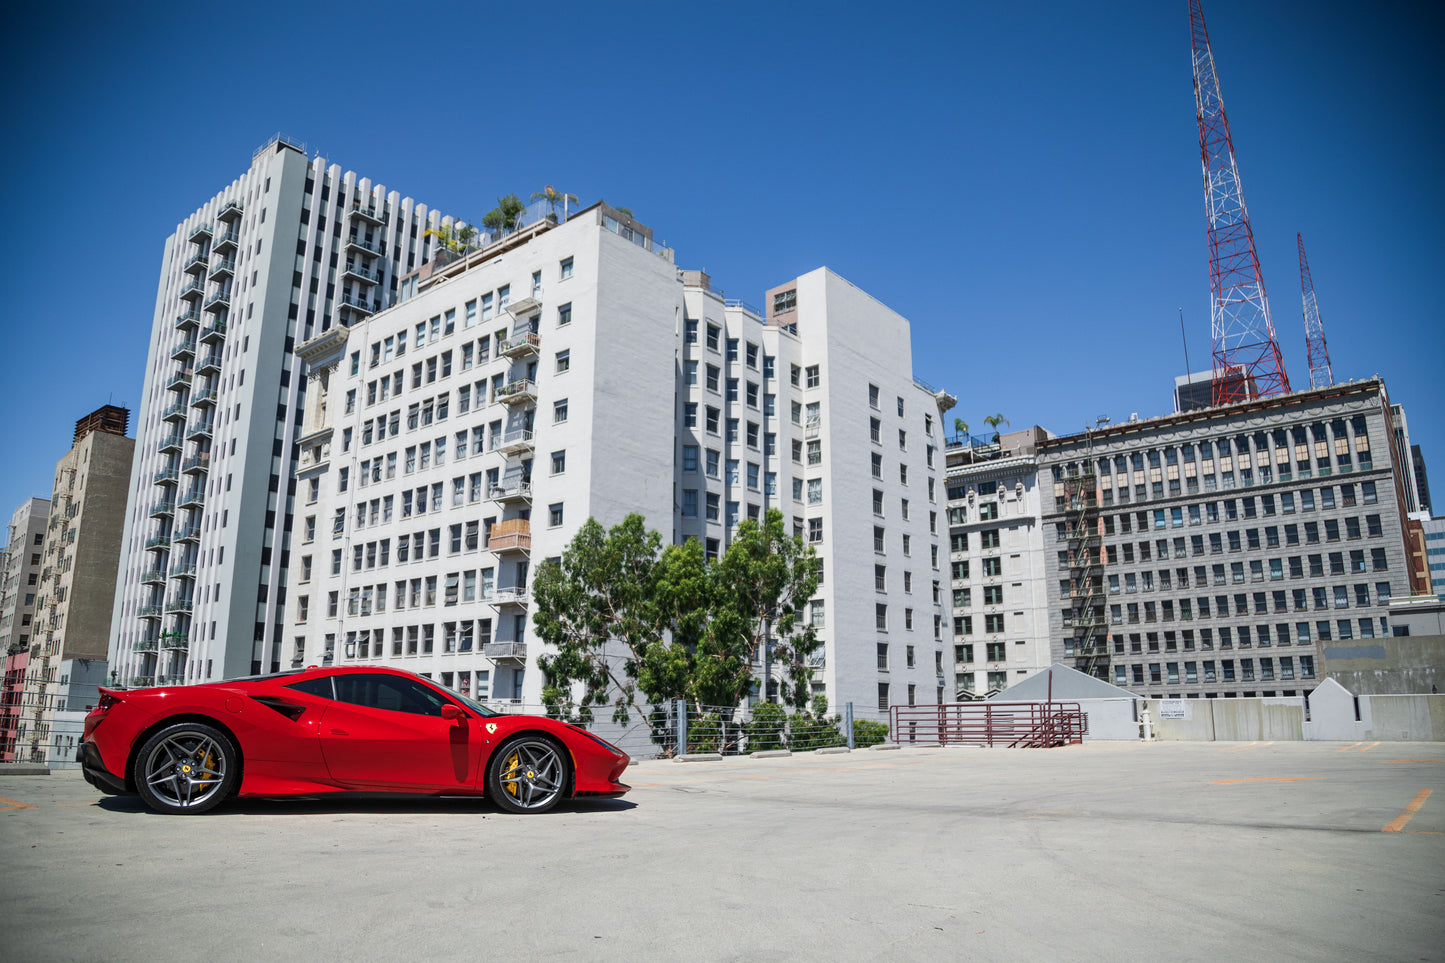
x=186, y=768
x=528, y=774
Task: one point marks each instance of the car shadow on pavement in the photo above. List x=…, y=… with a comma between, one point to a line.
x=370, y=803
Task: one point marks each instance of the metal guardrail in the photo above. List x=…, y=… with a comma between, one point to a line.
x=1012, y=724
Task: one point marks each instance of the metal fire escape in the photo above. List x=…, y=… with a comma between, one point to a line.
x=1086, y=571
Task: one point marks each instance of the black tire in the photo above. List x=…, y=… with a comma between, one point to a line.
x=186, y=769
x=529, y=774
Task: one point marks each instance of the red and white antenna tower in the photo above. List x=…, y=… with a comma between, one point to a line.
x=1247, y=362
x=1321, y=376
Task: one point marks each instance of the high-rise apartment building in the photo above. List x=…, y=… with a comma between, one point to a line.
x=291, y=249
x=569, y=370
x=1217, y=552
x=996, y=563
x=19, y=588
x=78, y=571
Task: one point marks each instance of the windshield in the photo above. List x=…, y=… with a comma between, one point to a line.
x=470, y=703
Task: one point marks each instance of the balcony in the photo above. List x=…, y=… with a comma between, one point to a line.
x=181, y=379
x=185, y=349
x=509, y=596
x=200, y=430
x=195, y=498
x=184, y=569
x=219, y=301
x=211, y=362
x=174, y=678
x=367, y=215
x=206, y=396
x=511, y=490
x=226, y=242
x=153, y=575
x=172, y=442
x=521, y=345
x=142, y=681
x=176, y=412
x=511, y=535
x=149, y=612
x=358, y=304
x=166, y=476
x=353, y=270
x=158, y=543
x=163, y=509
x=191, y=533
x=199, y=232
x=525, y=307
x=505, y=651
x=194, y=290
x=356, y=243
x=145, y=645
x=231, y=212
x=188, y=318
x=197, y=264
x=214, y=331
x=175, y=643
x=516, y=441
x=181, y=605
x=197, y=463
x=521, y=391
x=222, y=269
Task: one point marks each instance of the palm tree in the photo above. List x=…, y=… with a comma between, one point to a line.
x=456, y=239
x=554, y=197
x=961, y=427
x=993, y=422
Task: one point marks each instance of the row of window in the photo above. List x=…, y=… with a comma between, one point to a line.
x=909, y=658
x=1168, y=673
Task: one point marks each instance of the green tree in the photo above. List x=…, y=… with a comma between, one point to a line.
x=961, y=426
x=631, y=622
x=456, y=239
x=503, y=217
x=554, y=197
x=993, y=422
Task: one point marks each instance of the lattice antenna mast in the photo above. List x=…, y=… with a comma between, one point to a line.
x=1321, y=375
x=1247, y=360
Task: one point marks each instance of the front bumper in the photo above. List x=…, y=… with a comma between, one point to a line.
x=95, y=772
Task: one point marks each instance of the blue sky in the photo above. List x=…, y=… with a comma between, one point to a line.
x=1020, y=180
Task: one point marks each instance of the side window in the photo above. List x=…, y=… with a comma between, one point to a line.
x=318, y=687
x=388, y=692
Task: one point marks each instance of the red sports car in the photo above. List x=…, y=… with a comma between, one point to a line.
x=186, y=749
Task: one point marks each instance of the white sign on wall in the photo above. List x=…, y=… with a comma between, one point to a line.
x=1174, y=709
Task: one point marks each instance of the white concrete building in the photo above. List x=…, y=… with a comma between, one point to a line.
x=289, y=249
x=570, y=370
x=997, y=565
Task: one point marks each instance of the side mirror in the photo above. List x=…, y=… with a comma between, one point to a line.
x=453, y=713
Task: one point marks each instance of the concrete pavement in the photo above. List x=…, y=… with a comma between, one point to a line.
x=1125, y=850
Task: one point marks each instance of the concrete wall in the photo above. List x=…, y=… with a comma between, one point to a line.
x=1389, y=666
x=1406, y=718
x=1111, y=718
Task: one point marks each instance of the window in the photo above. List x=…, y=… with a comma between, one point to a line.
x=815, y=530
x=559, y=411
x=689, y=331
x=554, y=514
x=814, y=378
x=689, y=458
x=565, y=271
x=564, y=360
x=559, y=462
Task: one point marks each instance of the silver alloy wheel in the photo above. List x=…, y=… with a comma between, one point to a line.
x=186, y=769
x=531, y=775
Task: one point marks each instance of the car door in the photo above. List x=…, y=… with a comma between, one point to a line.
x=386, y=732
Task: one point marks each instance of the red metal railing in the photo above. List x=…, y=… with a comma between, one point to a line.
x=1013, y=724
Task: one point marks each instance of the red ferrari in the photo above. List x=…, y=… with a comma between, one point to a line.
x=186, y=749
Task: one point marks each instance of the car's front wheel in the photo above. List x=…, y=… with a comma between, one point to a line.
x=186, y=768
x=528, y=774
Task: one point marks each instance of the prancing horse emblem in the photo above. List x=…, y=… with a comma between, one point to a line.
x=491, y=727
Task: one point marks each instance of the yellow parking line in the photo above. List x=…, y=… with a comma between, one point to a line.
x=12, y=804
x=1398, y=823
x=1230, y=782
x=1369, y=747
x=1347, y=748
